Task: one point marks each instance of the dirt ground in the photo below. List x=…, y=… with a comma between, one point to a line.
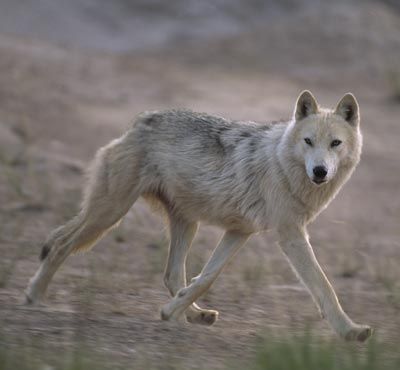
x=59, y=103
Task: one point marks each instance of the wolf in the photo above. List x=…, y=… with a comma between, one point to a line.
x=244, y=177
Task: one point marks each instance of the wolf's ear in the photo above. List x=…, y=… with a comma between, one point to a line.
x=305, y=105
x=348, y=109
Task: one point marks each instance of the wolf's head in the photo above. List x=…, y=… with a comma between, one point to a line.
x=323, y=140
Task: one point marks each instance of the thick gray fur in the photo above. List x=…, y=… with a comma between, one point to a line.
x=245, y=177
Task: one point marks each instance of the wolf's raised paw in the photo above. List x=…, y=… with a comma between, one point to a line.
x=360, y=333
x=203, y=317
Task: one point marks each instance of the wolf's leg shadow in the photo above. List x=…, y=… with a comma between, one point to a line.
x=226, y=249
x=112, y=189
x=295, y=245
x=182, y=233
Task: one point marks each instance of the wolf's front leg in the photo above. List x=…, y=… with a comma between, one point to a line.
x=227, y=247
x=294, y=243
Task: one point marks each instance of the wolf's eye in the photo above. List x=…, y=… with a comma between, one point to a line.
x=308, y=141
x=335, y=143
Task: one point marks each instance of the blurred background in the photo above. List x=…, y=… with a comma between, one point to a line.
x=73, y=74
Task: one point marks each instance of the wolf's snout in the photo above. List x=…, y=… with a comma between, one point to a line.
x=320, y=173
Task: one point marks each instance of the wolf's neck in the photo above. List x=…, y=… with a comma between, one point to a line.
x=317, y=198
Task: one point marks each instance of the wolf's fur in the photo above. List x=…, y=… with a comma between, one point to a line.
x=242, y=176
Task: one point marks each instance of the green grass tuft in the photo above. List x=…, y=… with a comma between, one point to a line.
x=309, y=353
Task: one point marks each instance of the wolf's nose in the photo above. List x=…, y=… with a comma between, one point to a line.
x=320, y=172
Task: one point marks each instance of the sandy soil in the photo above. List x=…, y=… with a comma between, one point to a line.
x=58, y=104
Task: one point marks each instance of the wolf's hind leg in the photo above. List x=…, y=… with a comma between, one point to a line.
x=227, y=247
x=181, y=235
x=112, y=189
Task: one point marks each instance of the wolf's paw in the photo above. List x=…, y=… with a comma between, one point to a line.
x=165, y=315
x=359, y=333
x=27, y=300
x=202, y=317
x=169, y=313
x=33, y=296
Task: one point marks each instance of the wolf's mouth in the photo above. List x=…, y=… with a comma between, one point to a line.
x=318, y=181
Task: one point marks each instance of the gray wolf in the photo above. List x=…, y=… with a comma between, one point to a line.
x=242, y=176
